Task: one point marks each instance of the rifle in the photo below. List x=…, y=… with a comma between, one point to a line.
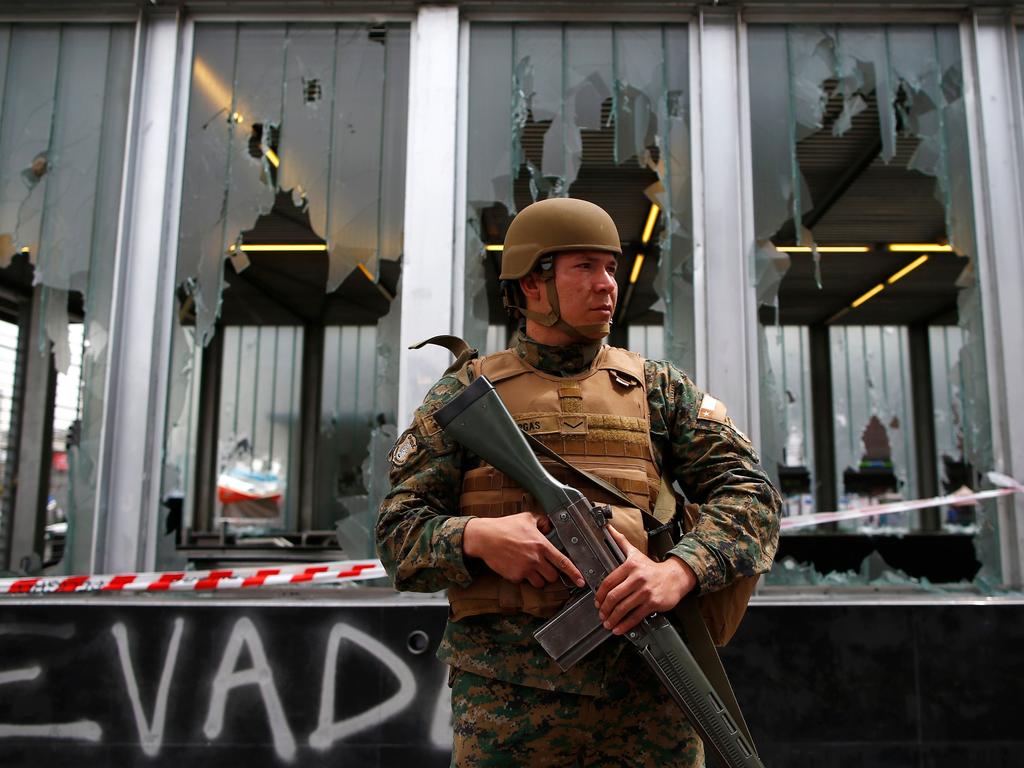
x=478, y=419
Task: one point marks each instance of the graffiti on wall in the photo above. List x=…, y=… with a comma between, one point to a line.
x=292, y=682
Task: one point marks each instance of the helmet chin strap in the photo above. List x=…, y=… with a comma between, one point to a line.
x=578, y=333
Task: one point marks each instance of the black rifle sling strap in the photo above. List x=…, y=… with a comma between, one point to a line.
x=686, y=612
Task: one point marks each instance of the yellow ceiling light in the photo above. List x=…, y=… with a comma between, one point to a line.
x=251, y=248
x=272, y=157
x=237, y=117
x=638, y=264
x=909, y=268
x=878, y=288
x=824, y=248
x=498, y=247
x=920, y=248
x=26, y=250
x=652, y=219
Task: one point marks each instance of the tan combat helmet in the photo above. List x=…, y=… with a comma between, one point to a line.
x=540, y=231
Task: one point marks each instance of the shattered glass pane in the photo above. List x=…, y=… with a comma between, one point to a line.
x=28, y=107
x=854, y=93
x=9, y=415
x=874, y=429
x=786, y=436
x=864, y=66
x=346, y=423
x=63, y=127
x=595, y=111
x=291, y=232
x=258, y=436
x=771, y=131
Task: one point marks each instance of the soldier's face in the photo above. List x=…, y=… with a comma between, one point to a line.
x=587, y=292
x=586, y=286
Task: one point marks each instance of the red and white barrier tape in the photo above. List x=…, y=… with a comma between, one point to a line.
x=1009, y=486
x=191, y=581
x=362, y=570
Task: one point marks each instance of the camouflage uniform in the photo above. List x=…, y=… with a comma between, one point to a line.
x=419, y=538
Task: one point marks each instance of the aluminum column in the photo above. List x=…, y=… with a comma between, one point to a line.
x=726, y=310
x=995, y=116
x=427, y=288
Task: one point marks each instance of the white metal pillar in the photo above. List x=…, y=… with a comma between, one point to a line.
x=995, y=116
x=427, y=292
x=726, y=312
x=126, y=508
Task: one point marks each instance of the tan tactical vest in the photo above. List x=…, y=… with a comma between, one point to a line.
x=597, y=420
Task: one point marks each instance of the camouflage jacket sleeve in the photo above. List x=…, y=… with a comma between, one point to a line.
x=737, y=529
x=418, y=532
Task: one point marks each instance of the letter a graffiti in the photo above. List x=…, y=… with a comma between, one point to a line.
x=244, y=633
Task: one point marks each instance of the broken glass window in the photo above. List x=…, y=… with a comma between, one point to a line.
x=789, y=446
x=289, y=247
x=870, y=120
x=63, y=122
x=593, y=111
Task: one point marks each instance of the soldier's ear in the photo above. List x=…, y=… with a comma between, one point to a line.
x=530, y=285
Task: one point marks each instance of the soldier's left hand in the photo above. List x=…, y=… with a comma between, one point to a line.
x=640, y=587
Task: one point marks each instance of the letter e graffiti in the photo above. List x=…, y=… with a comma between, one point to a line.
x=85, y=730
x=244, y=633
x=150, y=735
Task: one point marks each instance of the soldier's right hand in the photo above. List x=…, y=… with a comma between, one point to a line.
x=514, y=548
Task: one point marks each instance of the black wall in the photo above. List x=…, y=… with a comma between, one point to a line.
x=201, y=682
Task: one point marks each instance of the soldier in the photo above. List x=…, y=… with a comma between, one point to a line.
x=451, y=522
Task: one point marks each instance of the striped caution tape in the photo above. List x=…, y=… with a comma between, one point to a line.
x=191, y=581
x=362, y=570
x=1008, y=487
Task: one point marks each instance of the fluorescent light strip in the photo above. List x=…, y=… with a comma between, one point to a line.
x=652, y=219
x=824, y=248
x=878, y=288
x=369, y=276
x=920, y=248
x=282, y=247
x=498, y=247
x=272, y=157
x=909, y=268
x=638, y=264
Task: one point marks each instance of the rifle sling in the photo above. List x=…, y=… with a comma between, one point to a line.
x=687, y=614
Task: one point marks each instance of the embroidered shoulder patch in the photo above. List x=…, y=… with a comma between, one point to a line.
x=712, y=409
x=405, y=448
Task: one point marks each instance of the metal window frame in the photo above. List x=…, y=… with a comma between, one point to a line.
x=125, y=516
x=428, y=297
x=995, y=113
x=445, y=302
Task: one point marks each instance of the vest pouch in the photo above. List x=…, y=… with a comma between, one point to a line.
x=488, y=492
x=723, y=609
x=489, y=593
x=629, y=522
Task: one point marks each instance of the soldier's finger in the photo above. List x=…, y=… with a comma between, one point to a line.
x=625, y=603
x=565, y=565
x=621, y=540
x=547, y=571
x=536, y=579
x=611, y=581
x=633, y=618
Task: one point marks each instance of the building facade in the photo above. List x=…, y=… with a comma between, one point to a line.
x=223, y=226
